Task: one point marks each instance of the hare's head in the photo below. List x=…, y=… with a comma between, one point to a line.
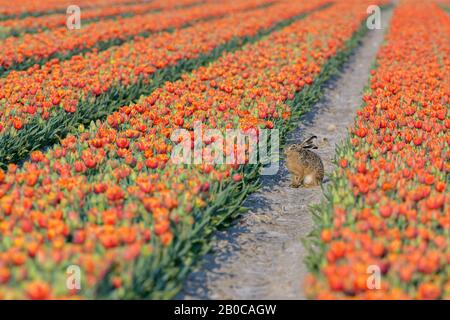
x=292, y=148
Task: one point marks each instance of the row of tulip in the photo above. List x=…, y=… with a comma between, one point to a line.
x=35, y=8
x=38, y=24
x=40, y=104
x=384, y=232
x=446, y=6
x=109, y=200
x=444, y=3
x=62, y=43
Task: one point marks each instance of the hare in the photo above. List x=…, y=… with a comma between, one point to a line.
x=305, y=166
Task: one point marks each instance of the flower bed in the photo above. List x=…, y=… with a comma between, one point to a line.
x=26, y=8
x=37, y=24
x=107, y=198
x=388, y=208
x=62, y=43
x=41, y=104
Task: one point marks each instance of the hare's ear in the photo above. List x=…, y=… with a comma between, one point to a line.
x=310, y=146
x=308, y=141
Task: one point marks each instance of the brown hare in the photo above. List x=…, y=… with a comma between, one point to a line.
x=305, y=166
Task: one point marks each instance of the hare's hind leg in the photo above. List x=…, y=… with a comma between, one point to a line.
x=296, y=182
x=311, y=181
x=319, y=179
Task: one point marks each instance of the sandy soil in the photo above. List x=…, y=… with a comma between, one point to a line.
x=261, y=257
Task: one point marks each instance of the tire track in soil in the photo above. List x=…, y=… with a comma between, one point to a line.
x=261, y=257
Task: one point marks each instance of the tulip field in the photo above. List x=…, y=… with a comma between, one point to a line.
x=389, y=201
x=87, y=118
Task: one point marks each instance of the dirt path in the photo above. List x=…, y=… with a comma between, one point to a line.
x=261, y=257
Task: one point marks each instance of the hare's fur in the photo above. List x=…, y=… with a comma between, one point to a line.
x=305, y=166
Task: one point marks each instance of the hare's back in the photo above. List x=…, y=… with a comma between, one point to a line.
x=310, y=159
